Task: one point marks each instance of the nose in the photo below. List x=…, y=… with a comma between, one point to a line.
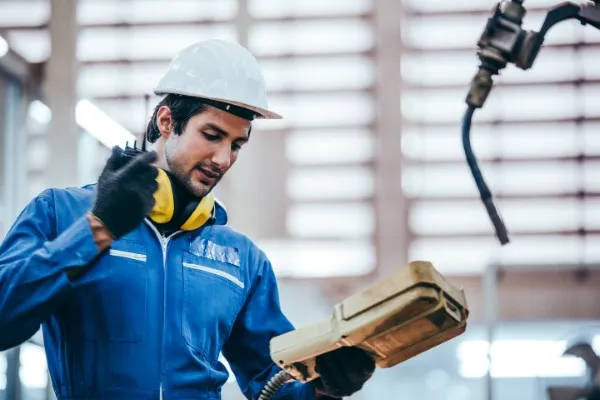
x=222, y=157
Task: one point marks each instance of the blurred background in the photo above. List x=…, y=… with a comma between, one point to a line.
x=364, y=173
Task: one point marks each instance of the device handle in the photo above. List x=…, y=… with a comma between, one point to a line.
x=305, y=370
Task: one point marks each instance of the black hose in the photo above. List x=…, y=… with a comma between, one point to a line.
x=274, y=384
x=484, y=191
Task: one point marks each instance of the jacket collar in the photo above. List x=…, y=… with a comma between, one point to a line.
x=219, y=213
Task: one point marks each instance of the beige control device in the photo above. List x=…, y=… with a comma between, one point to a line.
x=405, y=315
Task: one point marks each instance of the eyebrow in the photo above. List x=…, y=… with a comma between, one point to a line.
x=222, y=132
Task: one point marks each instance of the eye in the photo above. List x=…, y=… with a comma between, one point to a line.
x=211, y=137
x=236, y=146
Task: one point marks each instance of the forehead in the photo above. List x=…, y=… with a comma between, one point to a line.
x=227, y=122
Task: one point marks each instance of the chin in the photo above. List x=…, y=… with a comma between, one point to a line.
x=199, y=189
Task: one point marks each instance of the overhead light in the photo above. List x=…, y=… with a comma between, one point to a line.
x=518, y=359
x=95, y=121
x=40, y=112
x=3, y=47
x=524, y=367
x=90, y=118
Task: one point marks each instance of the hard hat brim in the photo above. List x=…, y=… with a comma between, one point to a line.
x=261, y=112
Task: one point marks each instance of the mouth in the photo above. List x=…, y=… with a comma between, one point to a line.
x=208, y=177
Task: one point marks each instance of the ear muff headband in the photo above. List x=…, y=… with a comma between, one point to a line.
x=166, y=209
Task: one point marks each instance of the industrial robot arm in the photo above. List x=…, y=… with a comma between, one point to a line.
x=504, y=41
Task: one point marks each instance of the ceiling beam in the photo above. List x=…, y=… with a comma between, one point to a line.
x=502, y=161
x=194, y=23
x=512, y=197
x=504, y=121
x=580, y=233
x=263, y=57
x=483, y=12
x=557, y=293
x=445, y=50
x=279, y=92
x=504, y=84
x=546, y=294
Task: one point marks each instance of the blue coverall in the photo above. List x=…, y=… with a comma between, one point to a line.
x=151, y=315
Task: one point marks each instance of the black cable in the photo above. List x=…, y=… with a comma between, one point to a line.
x=484, y=191
x=274, y=384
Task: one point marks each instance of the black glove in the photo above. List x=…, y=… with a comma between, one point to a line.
x=125, y=191
x=343, y=372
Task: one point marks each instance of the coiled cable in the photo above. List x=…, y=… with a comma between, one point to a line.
x=274, y=384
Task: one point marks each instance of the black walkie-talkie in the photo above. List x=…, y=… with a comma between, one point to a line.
x=130, y=152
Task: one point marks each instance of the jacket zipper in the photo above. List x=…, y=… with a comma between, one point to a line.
x=164, y=243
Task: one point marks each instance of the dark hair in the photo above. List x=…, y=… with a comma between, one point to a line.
x=182, y=109
x=185, y=107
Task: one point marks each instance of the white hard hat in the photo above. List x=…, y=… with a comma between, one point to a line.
x=221, y=71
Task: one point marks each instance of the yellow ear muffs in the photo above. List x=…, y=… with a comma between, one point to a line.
x=164, y=201
x=168, y=210
x=201, y=213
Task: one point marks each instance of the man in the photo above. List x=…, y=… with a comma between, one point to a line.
x=137, y=282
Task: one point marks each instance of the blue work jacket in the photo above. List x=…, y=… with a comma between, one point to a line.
x=151, y=316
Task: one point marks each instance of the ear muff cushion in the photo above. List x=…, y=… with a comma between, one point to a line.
x=201, y=213
x=164, y=206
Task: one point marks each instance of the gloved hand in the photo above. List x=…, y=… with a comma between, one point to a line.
x=125, y=191
x=343, y=372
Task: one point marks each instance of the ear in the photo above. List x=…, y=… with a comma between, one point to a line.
x=164, y=122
